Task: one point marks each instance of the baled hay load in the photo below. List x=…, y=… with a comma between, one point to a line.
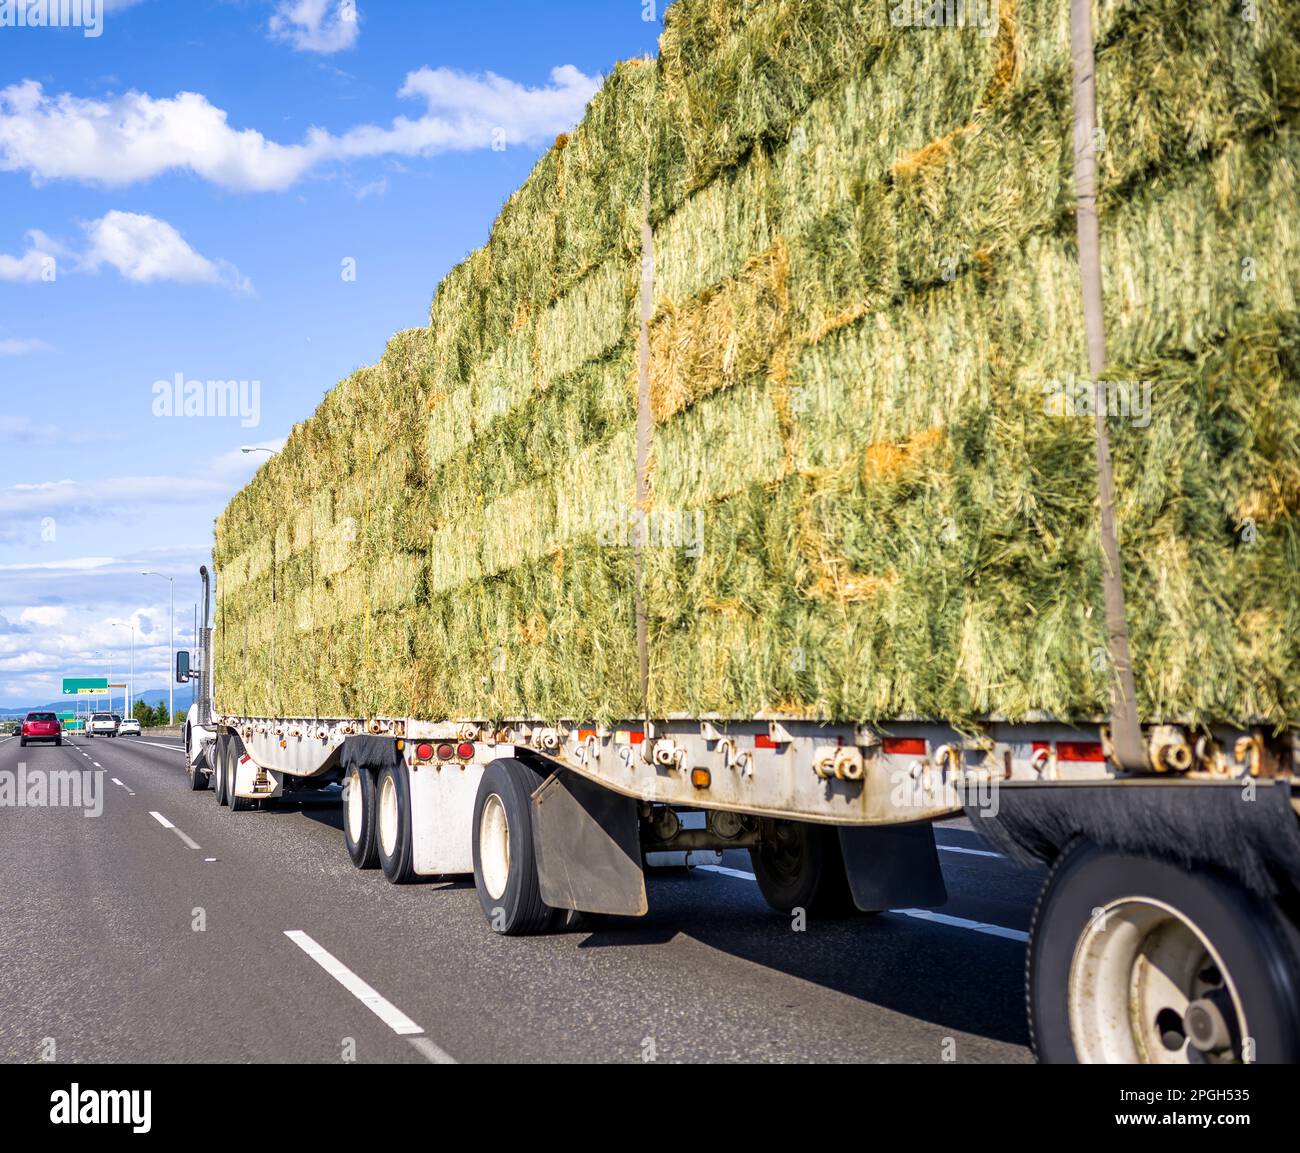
x=872, y=481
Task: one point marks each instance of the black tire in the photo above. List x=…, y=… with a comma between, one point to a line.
x=58, y=742
x=1255, y=945
x=517, y=909
x=397, y=859
x=800, y=866
x=22, y=742
x=220, y=770
x=363, y=848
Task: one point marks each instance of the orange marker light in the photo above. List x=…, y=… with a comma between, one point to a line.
x=701, y=778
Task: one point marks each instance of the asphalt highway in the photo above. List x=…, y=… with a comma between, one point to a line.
x=169, y=929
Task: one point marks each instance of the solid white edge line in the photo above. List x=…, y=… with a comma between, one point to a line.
x=916, y=914
x=156, y=745
x=385, y=1010
x=962, y=923
x=166, y=824
x=969, y=852
x=740, y=874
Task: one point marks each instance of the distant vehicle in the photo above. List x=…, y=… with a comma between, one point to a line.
x=129, y=728
x=102, y=725
x=41, y=727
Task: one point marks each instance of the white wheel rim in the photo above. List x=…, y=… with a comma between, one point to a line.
x=388, y=815
x=494, y=846
x=354, y=806
x=1138, y=967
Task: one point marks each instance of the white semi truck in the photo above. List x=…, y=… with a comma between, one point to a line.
x=1166, y=931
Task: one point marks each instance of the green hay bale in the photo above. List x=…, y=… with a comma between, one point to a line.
x=866, y=280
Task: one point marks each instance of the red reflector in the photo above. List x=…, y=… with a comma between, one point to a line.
x=905, y=746
x=1079, y=751
x=445, y=752
x=762, y=741
x=638, y=738
x=1042, y=746
x=465, y=750
x=424, y=752
x=585, y=735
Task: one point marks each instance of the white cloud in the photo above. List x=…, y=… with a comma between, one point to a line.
x=135, y=137
x=325, y=26
x=44, y=615
x=16, y=347
x=217, y=481
x=145, y=249
x=39, y=262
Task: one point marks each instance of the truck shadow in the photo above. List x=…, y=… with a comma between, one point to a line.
x=955, y=979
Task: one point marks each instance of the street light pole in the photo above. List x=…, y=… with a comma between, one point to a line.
x=171, y=644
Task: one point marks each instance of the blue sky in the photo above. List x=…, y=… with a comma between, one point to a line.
x=180, y=193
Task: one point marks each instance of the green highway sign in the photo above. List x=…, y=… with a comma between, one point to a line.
x=73, y=685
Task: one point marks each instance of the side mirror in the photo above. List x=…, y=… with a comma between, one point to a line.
x=182, y=667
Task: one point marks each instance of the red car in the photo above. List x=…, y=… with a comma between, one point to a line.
x=41, y=727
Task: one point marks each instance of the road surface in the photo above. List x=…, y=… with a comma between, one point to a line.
x=170, y=929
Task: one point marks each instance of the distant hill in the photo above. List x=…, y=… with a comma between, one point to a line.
x=184, y=696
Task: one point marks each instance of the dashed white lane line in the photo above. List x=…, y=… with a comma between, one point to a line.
x=166, y=824
x=916, y=914
x=123, y=784
x=382, y=1008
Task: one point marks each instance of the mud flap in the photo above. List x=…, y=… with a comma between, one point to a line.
x=893, y=867
x=588, y=847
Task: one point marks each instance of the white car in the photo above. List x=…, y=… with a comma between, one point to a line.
x=129, y=728
x=102, y=725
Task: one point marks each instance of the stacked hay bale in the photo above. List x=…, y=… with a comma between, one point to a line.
x=868, y=496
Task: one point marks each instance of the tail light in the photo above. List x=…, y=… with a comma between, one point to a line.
x=905, y=746
x=465, y=750
x=446, y=751
x=424, y=752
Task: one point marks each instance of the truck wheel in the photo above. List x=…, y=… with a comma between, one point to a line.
x=220, y=771
x=1139, y=961
x=359, y=817
x=800, y=866
x=393, y=824
x=505, y=867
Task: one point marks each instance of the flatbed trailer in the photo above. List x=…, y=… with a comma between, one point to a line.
x=1166, y=932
